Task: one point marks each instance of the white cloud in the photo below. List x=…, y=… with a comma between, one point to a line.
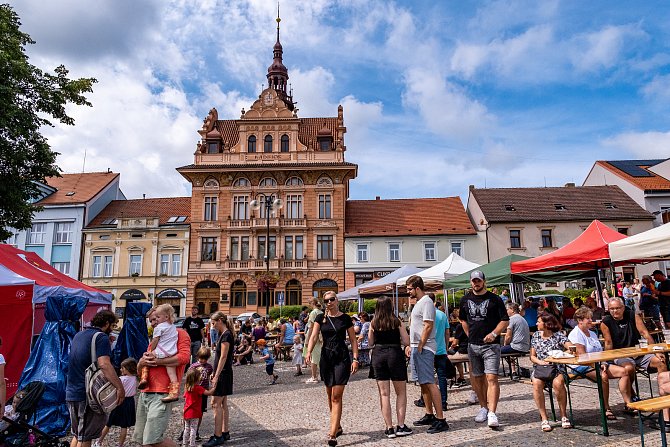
x=642, y=144
x=601, y=49
x=658, y=90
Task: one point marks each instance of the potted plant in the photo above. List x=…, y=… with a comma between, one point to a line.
x=266, y=281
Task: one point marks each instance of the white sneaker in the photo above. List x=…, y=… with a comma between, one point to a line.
x=96, y=443
x=493, y=420
x=472, y=398
x=481, y=416
x=312, y=380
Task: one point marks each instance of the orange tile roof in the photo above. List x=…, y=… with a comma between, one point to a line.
x=652, y=182
x=85, y=186
x=163, y=207
x=407, y=217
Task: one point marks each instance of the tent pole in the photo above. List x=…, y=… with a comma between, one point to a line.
x=599, y=289
x=395, y=292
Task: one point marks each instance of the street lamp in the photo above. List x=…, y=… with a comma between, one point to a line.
x=270, y=203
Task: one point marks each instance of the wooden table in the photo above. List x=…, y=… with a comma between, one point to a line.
x=597, y=358
x=657, y=404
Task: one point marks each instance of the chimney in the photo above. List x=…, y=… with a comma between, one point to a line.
x=378, y=198
x=471, y=187
x=144, y=196
x=570, y=185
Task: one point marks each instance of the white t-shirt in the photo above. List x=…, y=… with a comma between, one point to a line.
x=167, y=343
x=424, y=310
x=590, y=343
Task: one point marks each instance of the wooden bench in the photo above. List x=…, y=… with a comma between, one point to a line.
x=657, y=404
x=511, y=358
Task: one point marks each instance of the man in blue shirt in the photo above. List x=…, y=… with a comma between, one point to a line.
x=87, y=425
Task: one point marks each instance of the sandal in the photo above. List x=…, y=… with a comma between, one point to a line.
x=609, y=415
x=546, y=426
x=332, y=441
x=339, y=432
x=629, y=410
x=565, y=423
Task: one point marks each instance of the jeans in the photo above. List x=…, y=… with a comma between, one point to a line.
x=441, y=369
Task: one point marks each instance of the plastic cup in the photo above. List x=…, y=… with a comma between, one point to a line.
x=644, y=345
x=573, y=350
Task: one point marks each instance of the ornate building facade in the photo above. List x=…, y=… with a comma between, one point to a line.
x=268, y=153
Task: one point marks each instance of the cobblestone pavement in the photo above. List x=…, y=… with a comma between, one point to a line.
x=292, y=413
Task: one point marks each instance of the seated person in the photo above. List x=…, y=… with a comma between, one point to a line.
x=243, y=353
x=622, y=328
x=529, y=313
x=458, y=349
x=595, y=310
x=286, y=335
x=10, y=410
x=585, y=340
x=568, y=313
x=517, y=337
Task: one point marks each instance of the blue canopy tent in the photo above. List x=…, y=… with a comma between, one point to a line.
x=48, y=362
x=134, y=338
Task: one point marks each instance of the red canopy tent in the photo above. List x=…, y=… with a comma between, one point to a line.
x=589, y=251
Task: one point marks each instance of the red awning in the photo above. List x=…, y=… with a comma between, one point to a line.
x=589, y=251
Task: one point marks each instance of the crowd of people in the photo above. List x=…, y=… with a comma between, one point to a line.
x=329, y=343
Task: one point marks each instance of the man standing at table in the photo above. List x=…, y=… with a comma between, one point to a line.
x=663, y=295
x=622, y=328
x=484, y=318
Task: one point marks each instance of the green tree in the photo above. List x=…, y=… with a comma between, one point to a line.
x=29, y=98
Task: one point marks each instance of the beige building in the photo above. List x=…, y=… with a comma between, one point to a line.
x=535, y=221
x=268, y=155
x=138, y=250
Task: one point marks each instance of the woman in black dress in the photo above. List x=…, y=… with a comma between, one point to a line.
x=335, y=364
x=388, y=336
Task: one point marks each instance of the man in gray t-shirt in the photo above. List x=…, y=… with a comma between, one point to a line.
x=517, y=338
x=423, y=348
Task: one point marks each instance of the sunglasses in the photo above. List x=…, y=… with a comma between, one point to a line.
x=329, y=300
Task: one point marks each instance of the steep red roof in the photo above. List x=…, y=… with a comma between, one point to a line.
x=163, y=207
x=85, y=186
x=645, y=179
x=407, y=217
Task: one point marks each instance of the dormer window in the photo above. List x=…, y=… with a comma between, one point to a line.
x=510, y=208
x=325, y=144
x=610, y=206
x=267, y=143
x=251, y=144
x=284, y=143
x=559, y=207
x=212, y=147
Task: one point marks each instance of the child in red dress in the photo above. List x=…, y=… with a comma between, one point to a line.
x=193, y=405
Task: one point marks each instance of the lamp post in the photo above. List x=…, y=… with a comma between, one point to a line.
x=270, y=203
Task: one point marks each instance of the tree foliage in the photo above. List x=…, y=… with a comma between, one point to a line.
x=29, y=99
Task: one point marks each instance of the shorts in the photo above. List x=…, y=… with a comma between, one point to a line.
x=87, y=425
x=388, y=363
x=484, y=359
x=270, y=369
x=152, y=418
x=642, y=361
x=224, y=387
x=581, y=369
x=423, y=364
x=508, y=349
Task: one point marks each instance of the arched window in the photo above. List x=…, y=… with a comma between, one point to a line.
x=267, y=144
x=241, y=183
x=293, y=293
x=268, y=182
x=294, y=181
x=251, y=144
x=284, y=143
x=211, y=183
x=238, y=293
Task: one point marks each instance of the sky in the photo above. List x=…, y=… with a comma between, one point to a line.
x=437, y=96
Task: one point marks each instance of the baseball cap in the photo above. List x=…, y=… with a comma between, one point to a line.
x=657, y=272
x=477, y=274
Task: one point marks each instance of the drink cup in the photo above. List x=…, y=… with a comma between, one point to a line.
x=644, y=345
x=666, y=336
x=573, y=350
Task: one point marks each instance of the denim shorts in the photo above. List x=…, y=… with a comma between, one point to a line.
x=423, y=365
x=484, y=359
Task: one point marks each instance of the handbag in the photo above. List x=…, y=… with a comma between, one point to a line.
x=545, y=372
x=101, y=395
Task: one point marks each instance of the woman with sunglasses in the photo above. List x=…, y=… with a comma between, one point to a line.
x=335, y=364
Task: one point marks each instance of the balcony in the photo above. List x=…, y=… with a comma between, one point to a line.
x=294, y=223
x=250, y=264
x=239, y=223
x=261, y=222
x=298, y=264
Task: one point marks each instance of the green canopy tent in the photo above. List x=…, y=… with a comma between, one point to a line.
x=499, y=273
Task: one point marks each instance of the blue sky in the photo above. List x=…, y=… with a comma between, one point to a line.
x=436, y=95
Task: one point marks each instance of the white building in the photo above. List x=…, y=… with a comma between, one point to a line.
x=383, y=235
x=69, y=203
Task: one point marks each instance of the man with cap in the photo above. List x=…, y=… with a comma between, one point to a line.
x=484, y=318
x=663, y=295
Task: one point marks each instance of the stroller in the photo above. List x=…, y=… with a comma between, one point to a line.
x=21, y=432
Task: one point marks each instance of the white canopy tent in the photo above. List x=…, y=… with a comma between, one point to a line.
x=434, y=276
x=648, y=246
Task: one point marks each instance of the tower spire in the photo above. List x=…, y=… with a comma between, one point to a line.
x=277, y=72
